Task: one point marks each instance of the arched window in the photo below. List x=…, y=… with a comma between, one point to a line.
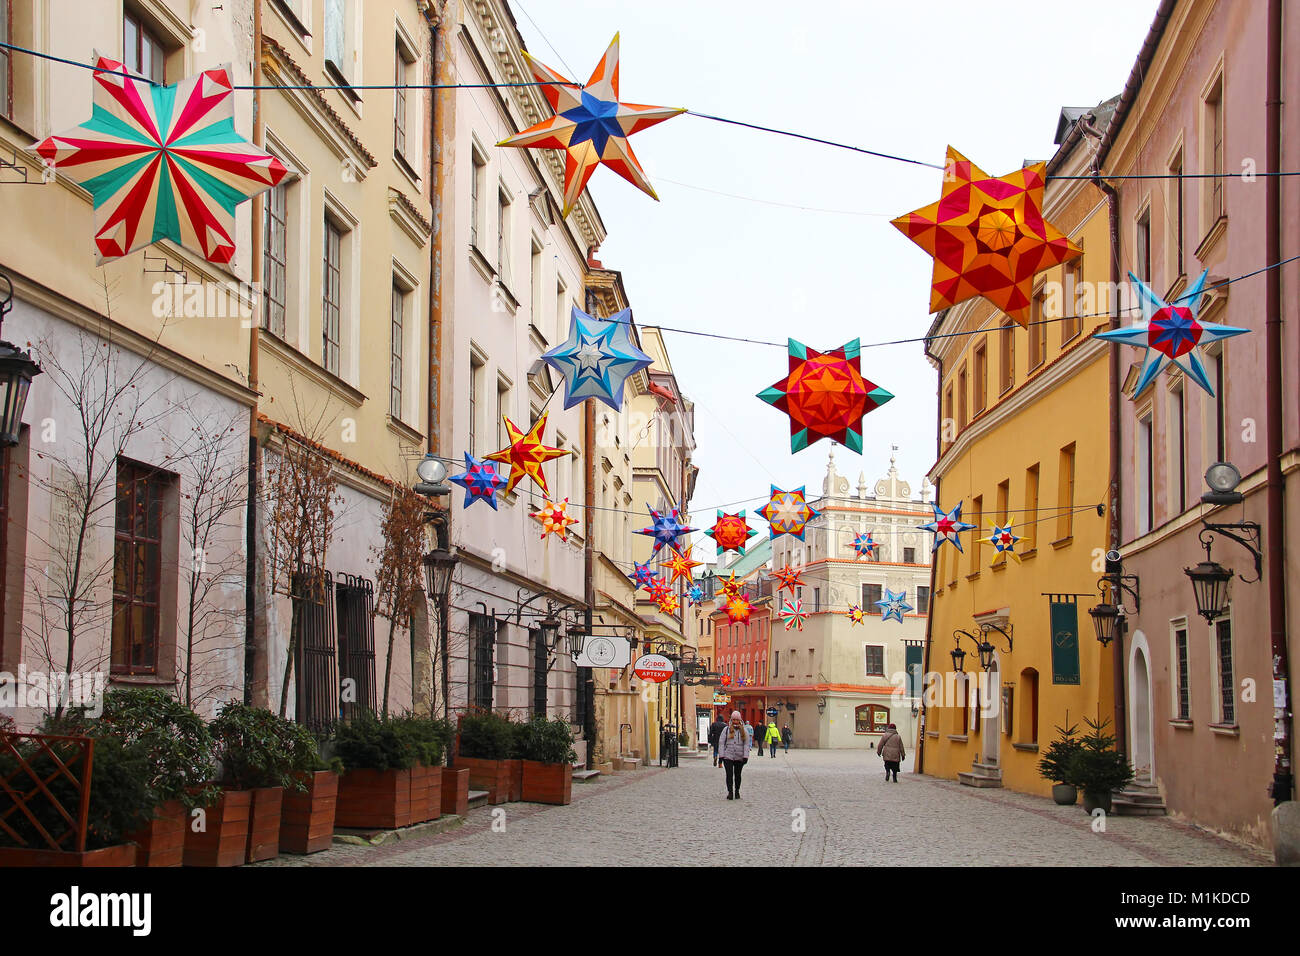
x=963, y=704
x=870, y=719
x=1028, y=706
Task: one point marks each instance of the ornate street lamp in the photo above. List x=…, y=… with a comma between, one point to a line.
x=1209, y=578
x=1105, y=621
x=550, y=628
x=958, y=658
x=16, y=373
x=439, y=564
x=1210, y=585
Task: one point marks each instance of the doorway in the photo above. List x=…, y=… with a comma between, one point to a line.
x=1142, y=750
x=991, y=719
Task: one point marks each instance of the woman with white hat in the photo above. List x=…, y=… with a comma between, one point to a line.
x=733, y=750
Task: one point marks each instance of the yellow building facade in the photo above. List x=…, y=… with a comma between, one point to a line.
x=1023, y=440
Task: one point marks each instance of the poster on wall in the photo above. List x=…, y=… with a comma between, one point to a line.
x=1065, y=642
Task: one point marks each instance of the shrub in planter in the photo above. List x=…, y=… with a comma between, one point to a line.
x=375, y=790
x=307, y=815
x=428, y=739
x=546, y=747
x=1054, y=765
x=1097, y=768
x=486, y=746
x=121, y=800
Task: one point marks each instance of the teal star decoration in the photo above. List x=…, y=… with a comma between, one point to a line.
x=893, y=605
x=597, y=358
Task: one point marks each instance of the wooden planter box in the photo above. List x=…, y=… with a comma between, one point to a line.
x=455, y=790
x=420, y=808
x=370, y=799
x=307, y=818
x=162, y=840
x=490, y=775
x=547, y=782
x=224, y=839
x=123, y=854
x=516, y=780
x=264, y=823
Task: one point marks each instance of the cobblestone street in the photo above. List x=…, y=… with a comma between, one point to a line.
x=851, y=817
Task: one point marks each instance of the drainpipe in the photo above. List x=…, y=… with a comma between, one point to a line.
x=253, y=491
x=919, y=767
x=1282, y=780
x=586, y=676
x=1113, y=402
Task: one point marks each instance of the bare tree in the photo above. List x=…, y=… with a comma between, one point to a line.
x=400, y=554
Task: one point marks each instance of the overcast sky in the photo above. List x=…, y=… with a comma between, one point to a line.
x=904, y=78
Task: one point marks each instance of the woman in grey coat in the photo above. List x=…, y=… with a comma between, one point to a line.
x=733, y=750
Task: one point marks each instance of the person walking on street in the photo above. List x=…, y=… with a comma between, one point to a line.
x=787, y=735
x=773, y=738
x=716, y=728
x=733, y=751
x=760, y=735
x=891, y=751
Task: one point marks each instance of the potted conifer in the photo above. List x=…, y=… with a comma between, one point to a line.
x=546, y=747
x=485, y=746
x=375, y=789
x=1054, y=765
x=1097, y=768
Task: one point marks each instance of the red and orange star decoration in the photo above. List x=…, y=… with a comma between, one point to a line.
x=738, y=609
x=730, y=586
x=987, y=236
x=555, y=519
x=659, y=590
x=787, y=577
x=731, y=532
x=825, y=395
x=787, y=512
x=526, y=454
x=681, y=565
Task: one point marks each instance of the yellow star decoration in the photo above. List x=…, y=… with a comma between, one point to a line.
x=731, y=587
x=555, y=519
x=525, y=454
x=680, y=564
x=669, y=604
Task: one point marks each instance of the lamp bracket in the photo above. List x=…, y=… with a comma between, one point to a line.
x=986, y=627
x=1245, y=533
x=1120, y=584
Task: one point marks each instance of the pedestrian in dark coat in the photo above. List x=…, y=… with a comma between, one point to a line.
x=760, y=735
x=715, y=729
x=787, y=735
x=891, y=751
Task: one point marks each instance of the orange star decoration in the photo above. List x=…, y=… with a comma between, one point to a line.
x=680, y=564
x=788, y=578
x=730, y=586
x=555, y=519
x=669, y=604
x=987, y=236
x=526, y=453
x=738, y=609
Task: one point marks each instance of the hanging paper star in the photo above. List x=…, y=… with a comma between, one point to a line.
x=864, y=545
x=1171, y=333
x=681, y=565
x=730, y=586
x=946, y=527
x=695, y=595
x=725, y=680
x=893, y=605
x=669, y=604
x=987, y=236
x=731, y=532
x=590, y=125
x=642, y=574
x=555, y=519
x=787, y=577
x=481, y=481
x=162, y=162
x=793, y=614
x=1003, y=541
x=665, y=529
x=659, y=590
x=856, y=615
x=526, y=453
x=825, y=395
x=597, y=358
x=738, y=609
x=787, y=512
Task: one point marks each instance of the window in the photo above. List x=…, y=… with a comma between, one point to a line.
x=1223, y=654
x=922, y=599
x=1037, y=333
x=331, y=297
x=810, y=661
x=977, y=519
x=776, y=664
x=475, y=396
x=477, y=186
x=1182, y=692
x=817, y=599
x=340, y=44
x=137, y=568
x=949, y=423
x=1007, y=365
x=401, y=64
x=1145, y=475
x=870, y=595
x=141, y=48
x=539, y=672
x=354, y=604
x=1003, y=503
x=503, y=409
x=1176, y=214
x=870, y=718
x=1214, y=148
x=535, y=282
x=503, y=236
x=909, y=555
x=1029, y=523
x=1178, y=449
x=316, y=656
x=1028, y=706
x=561, y=307
x=1065, y=494
x=1072, y=300
x=981, y=376
x=482, y=647
x=875, y=660
x=963, y=415
x=274, y=257
x=395, y=371
x=1142, y=246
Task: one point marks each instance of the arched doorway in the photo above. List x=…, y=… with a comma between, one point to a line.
x=1142, y=748
x=991, y=718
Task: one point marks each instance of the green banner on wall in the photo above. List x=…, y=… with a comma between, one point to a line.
x=1065, y=642
x=912, y=663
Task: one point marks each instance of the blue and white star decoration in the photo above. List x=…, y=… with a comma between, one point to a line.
x=893, y=605
x=481, y=481
x=695, y=595
x=864, y=545
x=597, y=358
x=1004, y=540
x=642, y=574
x=1171, y=333
x=665, y=529
x=947, y=526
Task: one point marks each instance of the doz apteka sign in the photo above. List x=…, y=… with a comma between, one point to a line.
x=653, y=667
